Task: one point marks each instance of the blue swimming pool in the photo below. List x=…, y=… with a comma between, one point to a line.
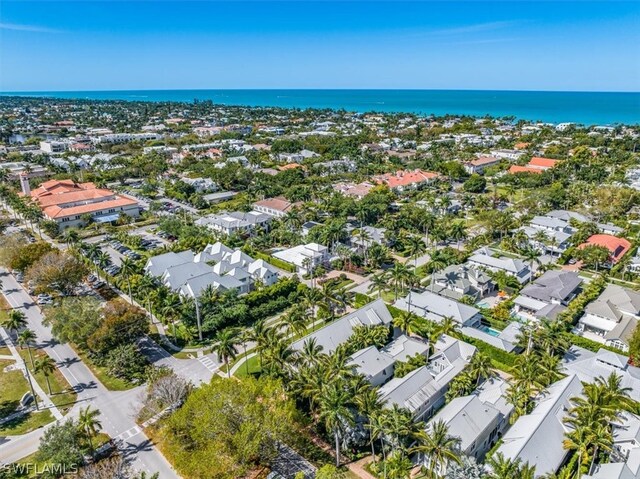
x=488, y=330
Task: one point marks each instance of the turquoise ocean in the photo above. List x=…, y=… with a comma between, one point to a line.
x=588, y=108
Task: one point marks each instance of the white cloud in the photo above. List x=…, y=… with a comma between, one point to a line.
x=27, y=28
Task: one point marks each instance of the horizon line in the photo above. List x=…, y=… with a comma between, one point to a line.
x=18, y=92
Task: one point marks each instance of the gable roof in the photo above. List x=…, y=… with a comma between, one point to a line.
x=537, y=438
x=338, y=332
x=436, y=308
x=553, y=284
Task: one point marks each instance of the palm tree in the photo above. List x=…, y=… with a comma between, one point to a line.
x=47, y=366
x=407, y=322
x=435, y=265
x=26, y=338
x=102, y=260
x=311, y=352
x=335, y=411
x=503, y=467
x=458, y=232
x=311, y=298
x=295, y=321
x=415, y=248
x=481, y=367
x=531, y=255
x=226, y=346
x=378, y=282
x=89, y=423
x=449, y=326
x=438, y=447
x=398, y=275
x=369, y=405
x=128, y=268
x=16, y=319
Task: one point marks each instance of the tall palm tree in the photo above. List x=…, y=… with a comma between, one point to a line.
x=449, y=326
x=438, y=447
x=226, y=346
x=335, y=411
x=435, y=265
x=532, y=255
x=102, y=260
x=311, y=352
x=89, y=423
x=415, y=248
x=503, y=467
x=16, y=320
x=398, y=275
x=481, y=367
x=458, y=232
x=369, y=405
x=407, y=322
x=47, y=366
x=295, y=321
x=128, y=269
x=27, y=338
x=378, y=282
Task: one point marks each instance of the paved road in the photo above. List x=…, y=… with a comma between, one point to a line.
x=118, y=408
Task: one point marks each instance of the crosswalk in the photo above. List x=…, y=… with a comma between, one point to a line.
x=208, y=363
x=128, y=434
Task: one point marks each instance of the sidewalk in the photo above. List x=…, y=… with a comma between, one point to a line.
x=43, y=402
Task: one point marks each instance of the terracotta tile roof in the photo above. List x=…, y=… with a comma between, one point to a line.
x=521, y=146
x=53, y=195
x=58, y=212
x=540, y=162
x=483, y=160
x=405, y=178
x=523, y=169
x=290, y=166
x=617, y=246
x=278, y=203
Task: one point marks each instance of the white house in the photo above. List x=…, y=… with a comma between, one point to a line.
x=305, y=257
x=517, y=268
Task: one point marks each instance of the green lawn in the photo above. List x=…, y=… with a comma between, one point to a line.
x=253, y=363
x=28, y=423
x=13, y=386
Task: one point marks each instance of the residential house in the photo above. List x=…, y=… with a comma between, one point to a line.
x=278, y=206
x=617, y=247
x=536, y=165
x=358, y=191
x=480, y=164
x=423, y=390
x=547, y=296
x=612, y=318
x=484, y=258
x=457, y=281
x=305, y=257
x=378, y=365
x=435, y=308
x=507, y=339
x=406, y=179
x=477, y=420
x=588, y=366
x=329, y=337
x=537, y=438
x=236, y=222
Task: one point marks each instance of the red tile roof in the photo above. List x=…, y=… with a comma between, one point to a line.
x=278, y=203
x=618, y=247
x=540, y=162
x=523, y=169
x=405, y=178
x=54, y=196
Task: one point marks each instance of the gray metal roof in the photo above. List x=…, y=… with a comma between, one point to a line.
x=553, y=285
x=537, y=438
x=338, y=332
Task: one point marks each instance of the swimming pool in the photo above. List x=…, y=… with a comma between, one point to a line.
x=483, y=304
x=488, y=330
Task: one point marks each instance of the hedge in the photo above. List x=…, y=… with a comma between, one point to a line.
x=501, y=359
x=591, y=345
x=270, y=259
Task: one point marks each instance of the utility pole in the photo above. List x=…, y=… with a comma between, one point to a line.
x=35, y=398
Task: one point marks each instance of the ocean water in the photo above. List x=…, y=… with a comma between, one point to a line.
x=589, y=108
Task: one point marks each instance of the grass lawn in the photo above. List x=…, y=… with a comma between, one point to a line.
x=110, y=382
x=13, y=386
x=27, y=423
x=62, y=395
x=254, y=367
x=4, y=308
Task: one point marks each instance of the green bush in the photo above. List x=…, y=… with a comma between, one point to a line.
x=500, y=359
x=591, y=345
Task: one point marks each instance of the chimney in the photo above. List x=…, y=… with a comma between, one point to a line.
x=24, y=184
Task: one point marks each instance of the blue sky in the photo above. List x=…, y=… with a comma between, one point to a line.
x=112, y=45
